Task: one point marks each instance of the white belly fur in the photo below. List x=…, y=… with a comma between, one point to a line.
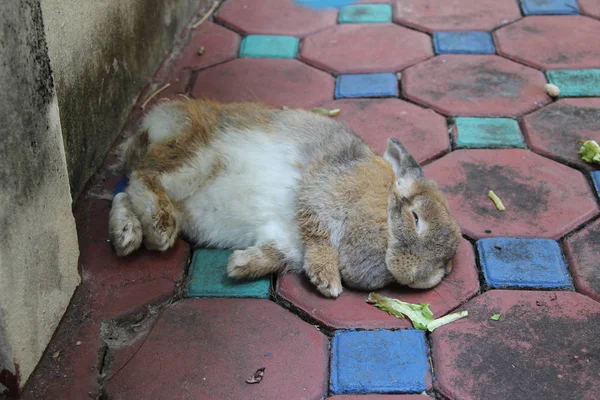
x=252, y=201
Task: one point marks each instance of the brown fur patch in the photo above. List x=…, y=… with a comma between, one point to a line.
x=135, y=150
x=368, y=187
x=164, y=216
x=320, y=256
x=206, y=119
x=173, y=153
x=268, y=260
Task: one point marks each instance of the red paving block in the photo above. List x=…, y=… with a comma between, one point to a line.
x=555, y=129
x=582, y=251
x=275, y=82
x=422, y=131
x=590, y=7
x=544, y=346
x=550, y=42
x=543, y=199
x=273, y=17
x=220, y=44
x=365, y=48
x=455, y=15
x=67, y=370
x=350, y=310
x=475, y=86
x=207, y=348
x=120, y=285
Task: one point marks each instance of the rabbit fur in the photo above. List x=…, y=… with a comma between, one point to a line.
x=287, y=190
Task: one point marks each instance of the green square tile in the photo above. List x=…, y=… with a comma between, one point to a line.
x=476, y=133
x=269, y=46
x=366, y=14
x=576, y=83
x=208, y=278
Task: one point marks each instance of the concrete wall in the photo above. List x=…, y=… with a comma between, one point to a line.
x=38, y=243
x=70, y=71
x=103, y=53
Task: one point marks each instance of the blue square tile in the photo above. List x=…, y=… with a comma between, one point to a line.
x=366, y=85
x=463, y=43
x=516, y=262
x=482, y=133
x=208, y=278
x=596, y=179
x=549, y=7
x=121, y=185
x=366, y=14
x=323, y=4
x=269, y=46
x=379, y=362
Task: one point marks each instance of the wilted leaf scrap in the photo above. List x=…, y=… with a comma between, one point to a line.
x=257, y=376
x=496, y=200
x=590, y=151
x=420, y=314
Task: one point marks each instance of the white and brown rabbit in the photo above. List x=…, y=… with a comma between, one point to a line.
x=289, y=190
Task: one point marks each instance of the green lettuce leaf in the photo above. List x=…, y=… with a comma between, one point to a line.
x=590, y=151
x=420, y=314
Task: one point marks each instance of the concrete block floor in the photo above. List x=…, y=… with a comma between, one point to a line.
x=171, y=326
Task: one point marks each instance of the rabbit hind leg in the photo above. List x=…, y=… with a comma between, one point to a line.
x=255, y=262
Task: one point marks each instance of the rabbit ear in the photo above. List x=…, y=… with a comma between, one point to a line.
x=403, y=163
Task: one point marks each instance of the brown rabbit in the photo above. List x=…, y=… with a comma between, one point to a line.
x=289, y=190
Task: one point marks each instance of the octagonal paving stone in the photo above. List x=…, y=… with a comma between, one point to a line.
x=555, y=130
x=456, y=15
x=211, y=346
x=274, y=17
x=475, y=86
x=550, y=42
x=422, y=131
x=362, y=48
x=543, y=198
x=590, y=7
x=277, y=82
x=582, y=251
x=122, y=285
x=544, y=346
x=350, y=310
x=220, y=45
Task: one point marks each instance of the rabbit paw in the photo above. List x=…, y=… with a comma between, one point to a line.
x=125, y=229
x=329, y=284
x=250, y=263
x=161, y=239
x=239, y=264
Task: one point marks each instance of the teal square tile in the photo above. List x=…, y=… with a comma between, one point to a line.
x=477, y=133
x=366, y=14
x=576, y=83
x=208, y=278
x=269, y=46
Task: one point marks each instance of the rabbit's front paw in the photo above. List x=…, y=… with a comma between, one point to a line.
x=329, y=284
x=161, y=231
x=125, y=227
